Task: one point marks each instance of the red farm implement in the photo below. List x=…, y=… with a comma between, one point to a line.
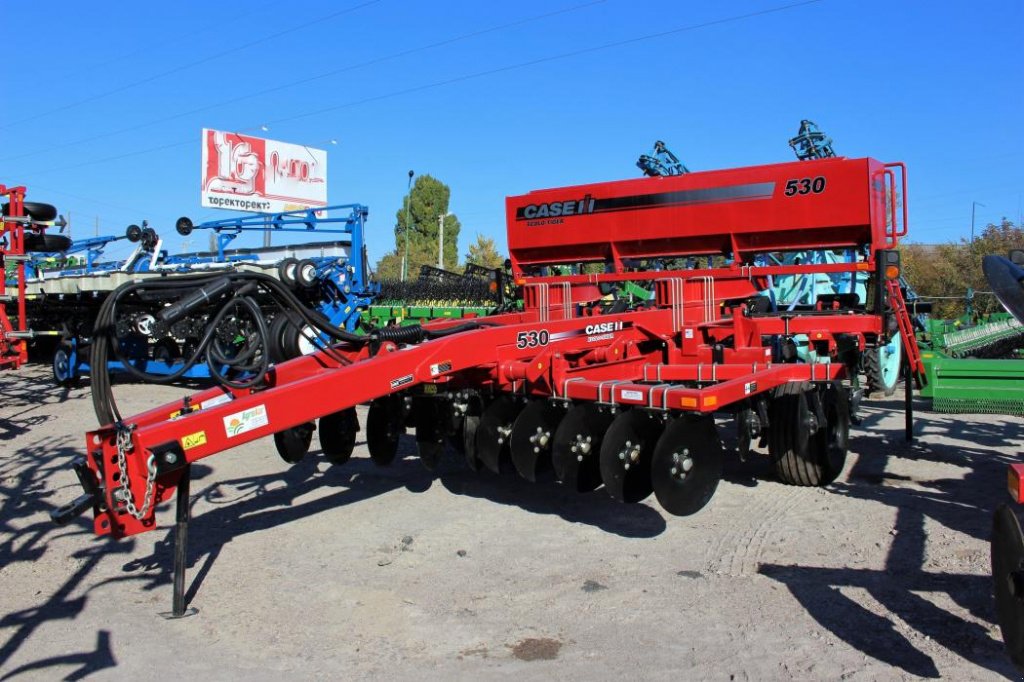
x=605, y=389
x=24, y=230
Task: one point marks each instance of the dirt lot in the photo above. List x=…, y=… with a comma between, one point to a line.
x=358, y=572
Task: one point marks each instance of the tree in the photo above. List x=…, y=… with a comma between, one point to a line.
x=947, y=271
x=484, y=252
x=427, y=201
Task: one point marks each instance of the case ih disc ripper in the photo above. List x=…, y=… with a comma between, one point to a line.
x=609, y=391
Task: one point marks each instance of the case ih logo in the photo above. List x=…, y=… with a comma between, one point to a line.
x=603, y=328
x=557, y=209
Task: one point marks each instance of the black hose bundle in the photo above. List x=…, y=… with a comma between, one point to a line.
x=237, y=295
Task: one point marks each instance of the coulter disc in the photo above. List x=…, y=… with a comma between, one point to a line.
x=293, y=444
x=626, y=455
x=469, y=427
x=574, y=452
x=530, y=442
x=338, y=435
x=385, y=423
x=494, y=430
x=687, y=465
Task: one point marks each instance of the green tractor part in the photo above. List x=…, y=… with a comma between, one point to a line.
x=974, y=385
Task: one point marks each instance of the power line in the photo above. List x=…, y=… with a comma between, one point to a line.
x=189, y=65
x=303, y=81
x=216, y=25
x=464, y=77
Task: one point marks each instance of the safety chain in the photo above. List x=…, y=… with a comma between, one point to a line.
x=124, y=494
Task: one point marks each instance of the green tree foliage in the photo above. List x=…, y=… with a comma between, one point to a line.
x=427, y=200
x=948, y=270
x=484, y=252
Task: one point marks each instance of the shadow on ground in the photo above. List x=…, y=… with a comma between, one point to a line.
x=906, y=586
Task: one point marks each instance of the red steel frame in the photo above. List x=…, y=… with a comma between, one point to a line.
x=13, y=350
x=694, y=347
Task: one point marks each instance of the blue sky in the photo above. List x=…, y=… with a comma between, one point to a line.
x=103, y=105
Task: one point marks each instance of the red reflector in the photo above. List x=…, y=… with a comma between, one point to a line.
x=1014, y=475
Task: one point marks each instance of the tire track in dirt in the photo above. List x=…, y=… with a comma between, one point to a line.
x=738, y=551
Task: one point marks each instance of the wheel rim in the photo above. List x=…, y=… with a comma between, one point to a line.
x=889, y=357
x=61, y=365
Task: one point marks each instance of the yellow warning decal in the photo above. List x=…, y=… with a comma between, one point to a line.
x=194, y=440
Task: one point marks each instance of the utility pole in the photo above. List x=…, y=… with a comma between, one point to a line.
x=440, y=241
x=973, y=204
x=408, y=200
x=97, y=227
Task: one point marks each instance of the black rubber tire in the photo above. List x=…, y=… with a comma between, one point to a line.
x=875, y=379
x=149, y=238
x=46, y=243
x=305, y=274
x=801, y=457
x=833, y=442
x=133, y=233
x=63, y=374
x=1007, y=549
x=183, y=226
x=286, y=272
x=338, y=435
x=35, y=210
x=293, y=444
x=283, y=338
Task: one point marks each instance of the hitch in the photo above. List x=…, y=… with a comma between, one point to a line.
x=90, y=499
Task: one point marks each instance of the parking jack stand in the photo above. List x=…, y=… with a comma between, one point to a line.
x=908, y=403
x=178, y=609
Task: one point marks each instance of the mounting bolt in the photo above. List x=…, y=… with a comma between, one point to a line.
x=170, y=457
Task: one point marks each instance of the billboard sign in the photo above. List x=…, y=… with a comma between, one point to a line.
x=243, y=173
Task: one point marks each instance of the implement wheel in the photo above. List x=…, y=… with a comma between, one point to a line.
x=63, y=373
x=805, y=451
x=1008, y=581
x=338, y=435
x=882, y=366
x=46, y=243
x=293, y=444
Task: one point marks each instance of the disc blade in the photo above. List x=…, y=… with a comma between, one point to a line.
x=530, y=442
x=686, y=465
x=469, y=427
x=626, y=455
x=494, y=430
x=427, y=416
x=338, y=435
x=293, y=444
x=385, y=423
x=577, y=444
x=1005, y=277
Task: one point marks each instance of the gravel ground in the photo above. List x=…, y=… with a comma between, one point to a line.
x=358, y=572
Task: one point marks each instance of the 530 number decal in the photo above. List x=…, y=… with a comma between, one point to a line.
x=805, y=186
x=532, y=338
